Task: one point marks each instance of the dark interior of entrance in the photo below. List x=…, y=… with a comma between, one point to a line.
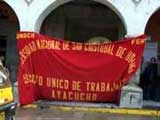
x=150, y=72
x=8, y=27
x=3, y=46
x=81, y=20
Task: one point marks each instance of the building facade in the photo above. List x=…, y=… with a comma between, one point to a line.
x=78, y=20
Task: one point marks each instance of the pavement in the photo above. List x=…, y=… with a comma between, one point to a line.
x=150, y=108
x=93, y=107
x=74, y=114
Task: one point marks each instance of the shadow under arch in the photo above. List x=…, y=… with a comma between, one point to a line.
x=152, y=51
x=11, y=8
x=152, y=27
x=58, y=3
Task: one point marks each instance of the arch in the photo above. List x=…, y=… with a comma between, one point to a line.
x=152, y=21
x=14, y=11
x=57, y=3
x=149, y=16
x=9, y=25
x=112, y=7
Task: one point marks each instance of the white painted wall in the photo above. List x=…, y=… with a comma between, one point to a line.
x=134, y=17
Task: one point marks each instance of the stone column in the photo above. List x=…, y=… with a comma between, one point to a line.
x=131, y=94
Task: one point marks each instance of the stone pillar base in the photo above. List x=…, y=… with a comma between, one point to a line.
x=131, y=97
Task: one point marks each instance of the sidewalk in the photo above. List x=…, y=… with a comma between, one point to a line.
x=150, y=108
x=95, y=107
x=151, y=104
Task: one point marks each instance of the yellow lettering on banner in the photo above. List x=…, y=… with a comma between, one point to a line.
x=40, y=80
x=115, y=86
x=76, y=96
x=97, y=87
x=32, y=46
x=91, y=48
x=82, y=97
x=108, y=87
x=108, y=49
x=94, y=97
x=25, y=35
x=27, y=50
x=92, y=87
x=88, y=86
x=76, y=85
x=61, y=84
x=120, y=52
x=132, y=66
x=19, y=36
x=33, y=79
x=64, y=96
x=45, y=44
x=38, y=43
x=88, y=97
x=103, y=87
x=142, y=41
x=133, y=41
x=66, y=46
x=22, y=58
x=138, y=41
x=58, y=94
x=54, y=82
x=77, y=46
x=57, y=45
x=25, y=78
x=66, y=84
x=70, y=95
x=131, y=59
x=48, y=82
x=42, y=44
x=57, y=83
x=53, y=94
x=86, y=47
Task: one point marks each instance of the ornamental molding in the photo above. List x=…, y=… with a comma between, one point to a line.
x=28, y=2
x=136, y=2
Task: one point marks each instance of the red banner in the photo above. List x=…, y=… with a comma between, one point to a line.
x=53, y=69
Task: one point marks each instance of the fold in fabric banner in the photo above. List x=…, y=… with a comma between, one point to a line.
x=53, y=69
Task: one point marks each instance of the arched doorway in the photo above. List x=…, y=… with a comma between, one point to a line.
x=153, y=30
x=8, y=26
x=82, y=20
x=150, y=79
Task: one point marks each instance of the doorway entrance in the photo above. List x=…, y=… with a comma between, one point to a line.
x=8, y=27
x=81, y=20
x=150, y=77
